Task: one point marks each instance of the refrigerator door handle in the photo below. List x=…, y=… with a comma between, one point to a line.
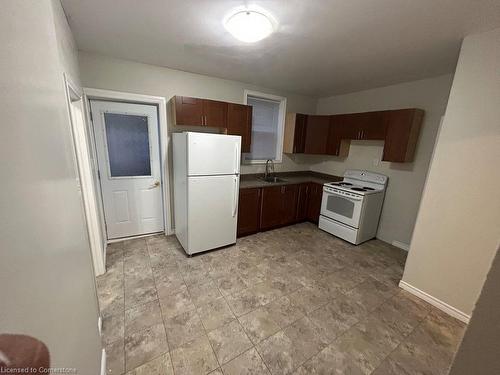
x=235, y=195
x=236, y=159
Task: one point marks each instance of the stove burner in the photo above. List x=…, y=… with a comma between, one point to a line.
x=358, y=189
x=368, y=188
x=345, y=184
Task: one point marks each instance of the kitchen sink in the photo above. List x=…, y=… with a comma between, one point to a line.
x=272, y=180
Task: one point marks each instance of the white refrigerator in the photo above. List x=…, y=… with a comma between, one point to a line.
x=206, y=188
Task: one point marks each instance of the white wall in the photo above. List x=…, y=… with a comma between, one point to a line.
x=47, y=283
x=406, y=180
x=108, y=73
x=458, y=227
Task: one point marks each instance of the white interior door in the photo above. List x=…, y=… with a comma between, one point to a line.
x=128, y=155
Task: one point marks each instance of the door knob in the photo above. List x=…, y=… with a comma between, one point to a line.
x=155, y=184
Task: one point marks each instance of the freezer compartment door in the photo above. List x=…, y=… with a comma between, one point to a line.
x=213, y=154
x=212, y=212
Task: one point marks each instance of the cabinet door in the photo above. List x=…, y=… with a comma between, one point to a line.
x=214, y=113
x=403, y=128
x=372, y=125
x=317, y=129
x=338, y=136
x=239, y=122
x=271, y=207
x=314, y=202
x=249, y=211
x=289, y=203
x=302, y=195
x=188, y=111
x=299, y=138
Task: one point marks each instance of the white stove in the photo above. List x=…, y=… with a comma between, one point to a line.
x=350, y=209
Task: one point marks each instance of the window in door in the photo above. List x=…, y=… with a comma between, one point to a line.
x=127, y=140
x=268, y=118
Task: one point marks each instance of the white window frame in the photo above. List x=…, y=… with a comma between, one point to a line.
x=281, y=123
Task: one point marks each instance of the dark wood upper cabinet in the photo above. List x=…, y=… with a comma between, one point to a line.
x=403, y=128
x=363, y=126
x=239, y=122
x=373, y=125
x=249, y=211
x=200, y=112
x=317, y=130
x=295, y=133
x=215, y=113
x=338, y=139
x=188, y=111
x=331, y=135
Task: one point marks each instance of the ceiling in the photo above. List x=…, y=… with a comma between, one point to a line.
x=321, y=47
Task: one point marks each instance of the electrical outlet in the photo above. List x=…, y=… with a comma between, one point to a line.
x=376, y=162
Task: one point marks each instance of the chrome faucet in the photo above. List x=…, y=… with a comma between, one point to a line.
x=269, y=167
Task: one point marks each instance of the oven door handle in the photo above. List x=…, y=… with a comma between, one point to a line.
x=346, y=197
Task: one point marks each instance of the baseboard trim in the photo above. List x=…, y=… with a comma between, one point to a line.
x=401, y=245
x=443, y=306
x=103, y=362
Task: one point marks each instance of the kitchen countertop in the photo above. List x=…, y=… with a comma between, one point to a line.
x=290, y=178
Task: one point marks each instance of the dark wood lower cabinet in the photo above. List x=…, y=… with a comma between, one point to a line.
x=314, y=202
x=303, y=192
x=270, y=207
x=249, y=211
x=289, y=204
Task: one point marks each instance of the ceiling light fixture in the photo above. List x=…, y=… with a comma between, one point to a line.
x=248, y=25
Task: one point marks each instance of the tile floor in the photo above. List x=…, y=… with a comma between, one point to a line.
x=294, y=300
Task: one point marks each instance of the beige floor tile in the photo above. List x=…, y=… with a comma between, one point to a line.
x=168, y=283
x=309, y=298
x=142, y=316
x=402, y=312
x=113, y=328
x=204, y=292
x=306, y=338
x=143, y=346
x=215, y=314
x=194, y=357
x=176, y=304
x=183, y=328
x=270, y=281
x=279, y=354
x=230, y=284
x=371, y=293
x=357, y=350
x=248, y=363
x=115, y=358
x=259, y=325
x=161, y=365
x=284, y=311
x=244, y=302
x=330, y=361
x=229, y=341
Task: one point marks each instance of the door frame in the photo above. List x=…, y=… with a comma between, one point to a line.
x=164, y=139
x=80, y=135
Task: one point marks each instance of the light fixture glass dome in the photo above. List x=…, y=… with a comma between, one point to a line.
x=249, y=25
